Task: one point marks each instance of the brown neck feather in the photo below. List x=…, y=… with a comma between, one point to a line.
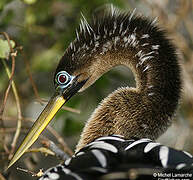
x=135, y=42
x=144, y=111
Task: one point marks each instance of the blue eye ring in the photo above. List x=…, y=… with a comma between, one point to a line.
x=63, y=79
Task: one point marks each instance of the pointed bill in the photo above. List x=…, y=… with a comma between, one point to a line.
x=40, y=124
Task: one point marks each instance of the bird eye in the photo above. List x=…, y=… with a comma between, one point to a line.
x=63, y=78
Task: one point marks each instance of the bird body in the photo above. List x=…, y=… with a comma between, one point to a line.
x=116, y=138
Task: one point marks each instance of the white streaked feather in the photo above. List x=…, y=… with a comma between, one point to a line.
x=67, y=162
x=180, y=166
x=111, y=138
x=112, y=10
x=151, y=86
x=137, y=142
x=125, y=39
x=146, y=58
x=154, y=21
x=47, y=172
x=146, y=68
x=121, y=28
x=155, y=47
x=100, y=157
x=87, y=25
x=77, y=35
x=132, y=14
x=66, y=171
x=149, y=53
x=163, y=155
x=71, y=45
x=137, y=65
x=103, y=145
x=139, y=53
x=114, y=26
x=82, y=25
x=133, y=38
x=54, y=176
x=145, y=36
x=135, y=43
x=150, y=146
x=118, y=135
x=151, y=94
x=55, y=169
x=145, y=44
x=188, y=154
x=99, y=169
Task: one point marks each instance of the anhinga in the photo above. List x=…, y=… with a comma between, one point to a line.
x=117, y=136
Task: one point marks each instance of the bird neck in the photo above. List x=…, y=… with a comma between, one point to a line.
x=144, y=111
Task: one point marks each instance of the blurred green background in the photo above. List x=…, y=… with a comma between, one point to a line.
x=44, y=30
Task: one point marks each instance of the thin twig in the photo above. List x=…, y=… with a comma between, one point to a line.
x=55, y=149
x=19, y=116
x=10, y=79
x=50, y=129
x=71, y=109
x=12, y=83
x=43, y=150
x=12, y=72
x=39, y=174
x=30, y=77
x=11, y=130
x=61, y=141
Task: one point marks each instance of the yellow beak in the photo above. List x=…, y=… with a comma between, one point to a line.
x=43, y=120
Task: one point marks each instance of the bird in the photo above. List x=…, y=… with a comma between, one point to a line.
x=118, y=140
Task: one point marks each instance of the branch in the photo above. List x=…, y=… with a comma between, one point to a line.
x=57, y=151
x=43, y=150
x=30, y=78
x=39, y=174
x=10, y=80
x=19, y=116
x=11, y=83
x=49, y=128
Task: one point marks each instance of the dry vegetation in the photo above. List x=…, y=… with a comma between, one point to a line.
x=21, y=68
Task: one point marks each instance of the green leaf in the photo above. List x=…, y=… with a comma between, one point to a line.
x=29, y=1
x=5, y=49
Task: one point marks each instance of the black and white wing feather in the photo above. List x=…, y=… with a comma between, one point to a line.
x=113, y=154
